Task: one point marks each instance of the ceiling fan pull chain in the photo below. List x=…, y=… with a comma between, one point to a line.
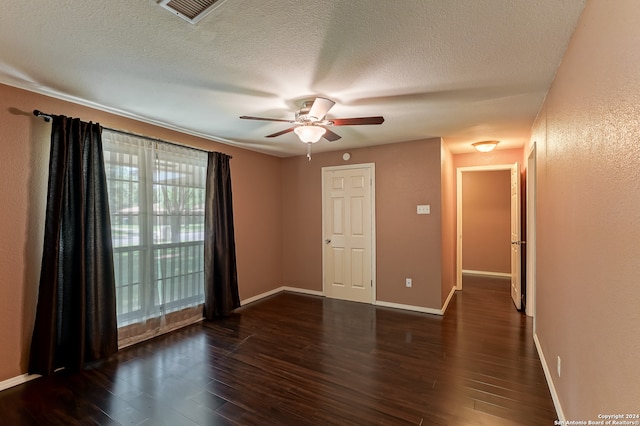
x=309, y=150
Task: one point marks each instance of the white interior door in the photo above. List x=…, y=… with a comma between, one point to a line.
x=515, y=237
x=348, y=232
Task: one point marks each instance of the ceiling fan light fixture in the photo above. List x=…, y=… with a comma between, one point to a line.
x=310, y=133
x=485, y=146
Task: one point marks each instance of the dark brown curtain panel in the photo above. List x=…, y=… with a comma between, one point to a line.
x=76, y=313
x=221, y=294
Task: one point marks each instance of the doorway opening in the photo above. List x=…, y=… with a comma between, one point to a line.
x=489, y=232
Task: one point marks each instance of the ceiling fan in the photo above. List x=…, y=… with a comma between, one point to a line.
x=310, y=123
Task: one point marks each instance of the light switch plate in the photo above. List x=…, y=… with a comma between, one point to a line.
x=424, y=209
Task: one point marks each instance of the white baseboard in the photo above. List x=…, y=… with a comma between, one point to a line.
x=486, y=273
x=419, y=308
x=260, y=296
x=446, y=302
x=303, y=291
x=377, y=303
x=280, y=290
x=409, y=307
x=18, y=380
x=547, y=374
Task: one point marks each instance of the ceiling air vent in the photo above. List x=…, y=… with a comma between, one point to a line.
x=191, y=10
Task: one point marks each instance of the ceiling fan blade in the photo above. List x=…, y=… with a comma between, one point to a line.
x=331, y=136
x=320, y=107
x=357, y=121
x=282, y=132
x=248, y=117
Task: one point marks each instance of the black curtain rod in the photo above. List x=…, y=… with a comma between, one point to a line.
x=48, y=117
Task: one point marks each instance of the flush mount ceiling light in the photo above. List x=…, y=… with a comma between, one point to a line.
x=485, y=146
x=310, y=133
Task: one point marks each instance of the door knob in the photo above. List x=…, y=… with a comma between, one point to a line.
x=327, y=241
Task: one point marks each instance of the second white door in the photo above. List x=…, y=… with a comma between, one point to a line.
x=516, y=255
x=347, y=199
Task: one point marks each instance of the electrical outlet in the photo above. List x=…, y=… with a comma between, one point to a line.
x=408, y=282
x=559, y=365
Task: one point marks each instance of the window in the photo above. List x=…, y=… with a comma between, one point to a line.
x=156, y=199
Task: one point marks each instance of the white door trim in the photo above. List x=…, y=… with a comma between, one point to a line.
x=372, y=168
x=531, y=233
x=459, y=172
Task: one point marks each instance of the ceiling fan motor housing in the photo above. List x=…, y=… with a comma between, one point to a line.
x=302, y=115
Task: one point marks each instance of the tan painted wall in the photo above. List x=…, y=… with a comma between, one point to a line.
x=486, y=221
x=24, y=158
x=588, y=152
x=408, y=245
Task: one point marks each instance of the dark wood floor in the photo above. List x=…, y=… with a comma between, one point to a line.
x=304, y=360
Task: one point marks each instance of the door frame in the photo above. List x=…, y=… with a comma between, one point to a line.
x=372, y=188
x=531, y=207
x=459, y=172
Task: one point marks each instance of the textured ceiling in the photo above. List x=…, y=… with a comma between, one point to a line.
x=465, y=70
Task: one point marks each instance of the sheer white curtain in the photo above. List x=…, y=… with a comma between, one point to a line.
x=156, y=198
